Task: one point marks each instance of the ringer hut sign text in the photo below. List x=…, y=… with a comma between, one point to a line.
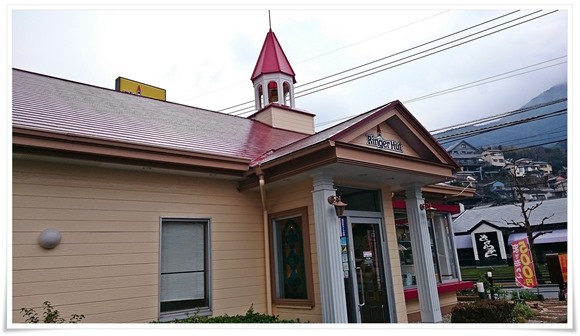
x=384, y=144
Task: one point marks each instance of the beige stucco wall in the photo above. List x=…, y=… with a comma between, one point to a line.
x=264, y=116
x=286, y=119
x=294, y=121
x=106, y=266
x=447, y=301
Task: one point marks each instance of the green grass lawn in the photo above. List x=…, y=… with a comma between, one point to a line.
x=500, y=273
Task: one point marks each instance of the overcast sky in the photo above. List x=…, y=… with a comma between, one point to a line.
x=204, y=56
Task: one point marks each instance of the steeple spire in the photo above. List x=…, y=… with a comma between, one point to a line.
x=274, y=80
x=273, y=76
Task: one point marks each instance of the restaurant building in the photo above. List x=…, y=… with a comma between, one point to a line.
x=132, y=209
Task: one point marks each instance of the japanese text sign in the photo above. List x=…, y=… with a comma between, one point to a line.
x=524, y=272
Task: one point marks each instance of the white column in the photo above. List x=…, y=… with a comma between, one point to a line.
x=422, y=256
x=332, y=293
x=280, y=89
x=291, y=92
x=257, y=99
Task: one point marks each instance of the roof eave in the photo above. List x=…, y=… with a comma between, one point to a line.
x=70, y=143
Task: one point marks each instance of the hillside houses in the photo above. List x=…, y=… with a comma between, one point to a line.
x=485, y=169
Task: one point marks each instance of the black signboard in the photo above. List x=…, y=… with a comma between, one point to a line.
x=487, y=245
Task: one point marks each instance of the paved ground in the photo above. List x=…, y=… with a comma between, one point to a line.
x=547, y=311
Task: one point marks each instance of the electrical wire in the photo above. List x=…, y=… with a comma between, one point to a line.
x=344, y=80
x=324, y=54
x=498, y=116
x=548, y=132
x=467, y=134
x=382, y=58
x=298, y=95
x=464, y=87
x=450, y=90
x=537, y=145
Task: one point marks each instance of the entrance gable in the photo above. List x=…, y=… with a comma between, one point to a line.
x=383, y=137
x=394, y=129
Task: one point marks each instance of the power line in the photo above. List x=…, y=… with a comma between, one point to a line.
x=466, y=86
x=386, y=57
x=468, y=134
x=551, y=131
x=375, y=36
x=558, y=139
x=451, y=90
x=321, y=55
x=411, y=60
x=420, y=45
x=362, y=74
x=501, y=115
x=542, y=144
x=464, y=135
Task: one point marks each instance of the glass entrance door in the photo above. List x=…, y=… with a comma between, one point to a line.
x=367, y=283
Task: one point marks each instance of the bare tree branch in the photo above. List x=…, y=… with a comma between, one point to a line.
x=540, y=234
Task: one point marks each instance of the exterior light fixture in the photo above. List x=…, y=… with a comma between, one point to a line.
x=428, y=209
x=339, y=206
x=49, y=238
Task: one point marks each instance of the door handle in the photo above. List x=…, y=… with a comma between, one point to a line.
x=362, y=286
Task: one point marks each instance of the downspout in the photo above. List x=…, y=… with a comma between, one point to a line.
x=266, y=242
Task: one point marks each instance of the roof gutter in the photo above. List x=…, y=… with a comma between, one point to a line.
x=78, y=145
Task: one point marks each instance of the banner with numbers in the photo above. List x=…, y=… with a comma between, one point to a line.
x=525, y=274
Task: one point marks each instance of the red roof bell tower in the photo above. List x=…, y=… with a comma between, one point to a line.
x=273, y=76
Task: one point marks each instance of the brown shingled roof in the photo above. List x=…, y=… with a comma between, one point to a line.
x=49, y=104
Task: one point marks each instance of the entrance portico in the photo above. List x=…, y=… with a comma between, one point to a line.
x=384, y=151
x=331, y=266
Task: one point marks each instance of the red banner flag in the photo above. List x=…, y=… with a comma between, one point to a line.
x=524, y=271
x=563, y=258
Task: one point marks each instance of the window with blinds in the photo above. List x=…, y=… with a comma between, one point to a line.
x=184, y=278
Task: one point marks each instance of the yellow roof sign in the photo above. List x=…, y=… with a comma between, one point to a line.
x=140, y=89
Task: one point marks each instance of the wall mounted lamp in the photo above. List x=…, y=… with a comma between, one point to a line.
x=339, y=206
x=428, y=209
x=49, y=238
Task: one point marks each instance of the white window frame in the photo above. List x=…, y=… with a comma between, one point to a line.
x=449, y=251
x=205, y=309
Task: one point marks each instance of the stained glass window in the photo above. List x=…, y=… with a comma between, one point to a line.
x=291, y=268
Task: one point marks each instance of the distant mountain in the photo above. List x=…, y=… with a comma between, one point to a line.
x=542, y=131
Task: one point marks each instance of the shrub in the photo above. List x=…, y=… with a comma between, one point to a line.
x=249, y=317
x=523, y=312
x=483, y=311
x=50, y=315
x=468, y=292
x=496, y=289
x=524, y=295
